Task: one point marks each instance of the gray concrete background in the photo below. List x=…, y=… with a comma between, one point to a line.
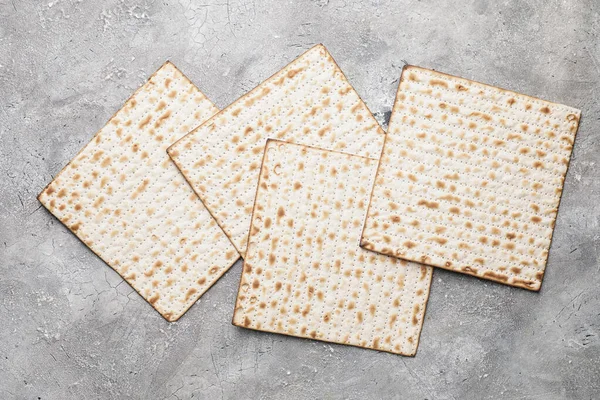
x=71, y=329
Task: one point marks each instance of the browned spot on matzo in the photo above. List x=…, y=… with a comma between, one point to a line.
x=154, y=298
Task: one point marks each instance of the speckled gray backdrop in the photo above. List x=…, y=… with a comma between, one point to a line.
x=71, y=329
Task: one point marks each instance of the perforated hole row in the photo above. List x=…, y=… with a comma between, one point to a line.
x=488, y=204
x=482, y=134
x=503, y=154
x=472, y=109
x=492, y=91
x=517, y=200
x=415, y=153
x=466, y=239
x=507, y=229
x=460, y=262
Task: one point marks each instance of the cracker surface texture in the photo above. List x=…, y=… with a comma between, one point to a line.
x=470, y=178
x=305, y=275
x=308, y=102
x=125, y=199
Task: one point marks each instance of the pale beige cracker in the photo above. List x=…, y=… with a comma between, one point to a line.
x=305, y=275
x=308, y=102
x=125, y=199
x=470, y=178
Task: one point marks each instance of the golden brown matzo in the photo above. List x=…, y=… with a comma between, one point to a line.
x=470, y=178
x=305, y=275
x=308, y=102
x=124, y=198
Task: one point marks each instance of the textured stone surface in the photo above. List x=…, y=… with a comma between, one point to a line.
x=71, y=329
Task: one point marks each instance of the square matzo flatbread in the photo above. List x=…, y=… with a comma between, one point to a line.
x=124, y=198
x=308, y=102
x=470, y=178
x=304, y=273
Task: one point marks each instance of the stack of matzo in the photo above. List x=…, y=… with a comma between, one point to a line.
x=308, y=102
x=304, y=273
x=123, y=197
x=470, y=178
